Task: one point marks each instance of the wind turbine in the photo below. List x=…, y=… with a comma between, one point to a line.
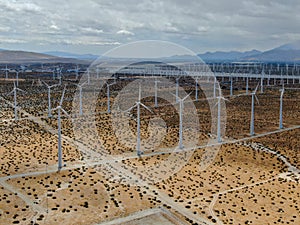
x=262, y=82
x=88, y=75
x=108, y=95
x=253, y=95
x=181, y=107
x=6, y=72
x=49, y=97
x=59, y=109
x=231, y=86
x=14, y=91
x=53, y=74
x=59, y=75
x=17, y=77
x=80, y=97
x=214, y=92
x=219, y=136
x=196, y=89
x=77, y=72
x=247, y=85
x=280, y=110
x=177, y=88
x=138, y=104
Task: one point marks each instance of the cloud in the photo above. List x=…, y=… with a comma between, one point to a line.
x=125, y=32
x=11, y=41
x=19, y=6
x=54, y=27
x=200, y=25
x=89, y=30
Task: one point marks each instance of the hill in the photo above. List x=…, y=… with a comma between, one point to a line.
x=11, y=57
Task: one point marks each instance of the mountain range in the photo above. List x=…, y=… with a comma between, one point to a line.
x=284, y=53
x=23, y=57
x=72, y=55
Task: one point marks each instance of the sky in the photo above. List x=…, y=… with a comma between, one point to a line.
x=96, y=26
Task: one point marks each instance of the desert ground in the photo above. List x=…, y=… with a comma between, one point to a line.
x=247, y=179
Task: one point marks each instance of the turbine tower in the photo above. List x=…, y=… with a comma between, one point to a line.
x=17, y=78
x=247, y=85
x=177, y=88
x=253, y=97
x=231, y=86
x=59, y=109
x=77, y=72
x=219, y=135
x=196, y=89
x=6, y=72
x=280, y=110
x=262, y=82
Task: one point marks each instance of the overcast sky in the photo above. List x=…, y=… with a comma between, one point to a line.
x=95, y=26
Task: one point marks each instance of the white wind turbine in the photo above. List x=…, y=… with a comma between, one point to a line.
x=280, y=109
x=60, y=75
x=196, y=89
x=49, y=97
x=215, y=82
x=262, y=81
x=138, y=104
x=6, y=72
x=53, y=74
x=14, y=92
x=231, y=83
x=88, y=76
x=77, y=72
x=59, y=109
x=181, y=107
x=247, y=85
x=220, y=97
x=108, y=95
x=177, y=88
x=253, y=97
x=17, y=78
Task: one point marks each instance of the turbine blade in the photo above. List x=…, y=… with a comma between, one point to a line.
x=186, y=96
x=146, y=107
x=20, y=90
x=256, y=99
x=45, y=83
x=282, y=92
x=128, y=110
x=54, y=109
x=80, y=85
x=10, y=93
x=62, y=96
x=54, y=85
x=255, y=90
x=225, y=99
x=65, y=112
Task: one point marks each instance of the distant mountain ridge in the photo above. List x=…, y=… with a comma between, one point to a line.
x=285, y=53
x=72, y=55
x=7, y=56
x=228, y=56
